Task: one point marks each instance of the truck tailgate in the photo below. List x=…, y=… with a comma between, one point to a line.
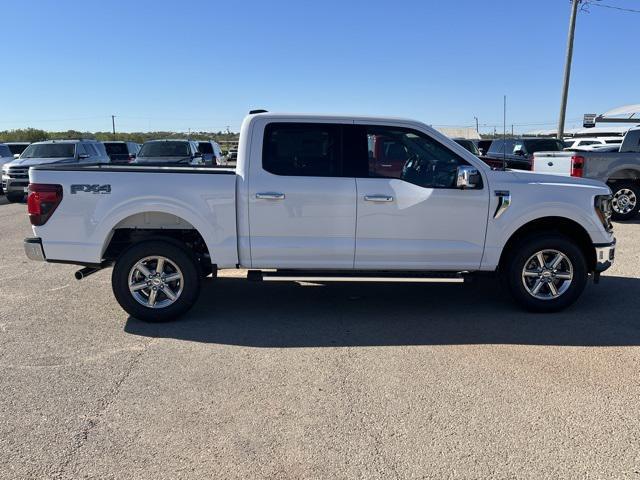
x=97, y=200
x=553, y=163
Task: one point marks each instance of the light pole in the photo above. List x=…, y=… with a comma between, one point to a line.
x=567, y=67
x=113, y=125
x=477, y=129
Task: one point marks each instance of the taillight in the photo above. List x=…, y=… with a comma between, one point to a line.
x=533, y=162
x=577, y=166
x=42, y=201
x=132, y=157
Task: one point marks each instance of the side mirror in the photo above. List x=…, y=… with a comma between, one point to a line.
x=82, y=156
x=16, y=155
x=467, y=177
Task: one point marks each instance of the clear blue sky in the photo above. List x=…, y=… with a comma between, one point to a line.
x=203, y=64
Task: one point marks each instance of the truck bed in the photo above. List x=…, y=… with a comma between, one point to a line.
x=100, y=198
x=604, y=166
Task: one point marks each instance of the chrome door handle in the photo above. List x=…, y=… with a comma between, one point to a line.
x=270, y=196
x=378, y=198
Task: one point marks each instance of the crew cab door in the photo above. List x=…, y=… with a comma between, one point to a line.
x=410, y=215
x=302, y=211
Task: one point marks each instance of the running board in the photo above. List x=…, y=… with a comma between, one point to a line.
x=381, y=277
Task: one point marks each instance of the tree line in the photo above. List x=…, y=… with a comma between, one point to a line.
x=37, y=135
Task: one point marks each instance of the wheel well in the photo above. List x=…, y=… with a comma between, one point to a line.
x=123, y=238
x=564, y=226
x=622, y=175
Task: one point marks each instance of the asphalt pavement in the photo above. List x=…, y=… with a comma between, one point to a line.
x=290, y=381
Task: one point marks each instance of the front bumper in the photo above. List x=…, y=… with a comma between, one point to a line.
x=605, y=255
x=33, y=249
x=12, y=185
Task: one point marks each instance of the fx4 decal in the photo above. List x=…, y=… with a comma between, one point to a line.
x=103, y=189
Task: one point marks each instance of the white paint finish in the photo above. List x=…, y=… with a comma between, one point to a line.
x=421, y=229
x=83, y=222
x=535, y=196
x=312, y=227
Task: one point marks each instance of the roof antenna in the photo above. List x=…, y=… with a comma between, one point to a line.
x=504, y=134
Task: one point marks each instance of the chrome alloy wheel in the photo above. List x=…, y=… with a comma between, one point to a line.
x=547, y=274
x=624, y=201
x=155, y=282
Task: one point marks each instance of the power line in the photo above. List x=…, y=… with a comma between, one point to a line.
x=612, y=7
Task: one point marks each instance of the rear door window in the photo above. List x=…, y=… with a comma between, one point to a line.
x=302, y=149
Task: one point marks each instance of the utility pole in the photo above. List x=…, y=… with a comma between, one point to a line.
x=567, y=67
x=477, y=129
x=113, y=125
x=512, y=130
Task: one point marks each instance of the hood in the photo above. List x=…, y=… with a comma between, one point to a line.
x=30, y=162
x=559, y=180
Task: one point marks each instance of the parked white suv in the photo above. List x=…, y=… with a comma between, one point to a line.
x=323, y=199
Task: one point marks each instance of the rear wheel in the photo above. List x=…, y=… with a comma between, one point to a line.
x=156, y=281
x=546, y=273
x=626, y=200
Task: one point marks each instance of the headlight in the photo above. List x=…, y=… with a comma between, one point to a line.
x=602, y=205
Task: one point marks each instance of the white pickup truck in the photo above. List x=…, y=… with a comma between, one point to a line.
x=323, y=198
x=620, y=169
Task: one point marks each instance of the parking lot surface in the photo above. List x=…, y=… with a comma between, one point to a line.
x=311, y=381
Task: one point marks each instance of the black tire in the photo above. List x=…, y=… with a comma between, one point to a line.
x=626, y=200
x=189, y=286
x=15, y=197
x=522, y=255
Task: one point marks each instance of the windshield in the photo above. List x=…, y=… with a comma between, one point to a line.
x=49, y=150
x=116, y=148
x=469, y=145
x=543, y=145
x=205, y=147
x=165, y=149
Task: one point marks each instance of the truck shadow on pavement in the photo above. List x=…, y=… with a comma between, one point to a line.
x=232, y=311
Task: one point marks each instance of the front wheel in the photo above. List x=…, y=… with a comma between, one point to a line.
x=156, y=281
x=546, y=273
x=625, y=201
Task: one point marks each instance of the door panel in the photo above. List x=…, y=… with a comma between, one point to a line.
x=313, y=226
x=302, y=214
x=420, y=228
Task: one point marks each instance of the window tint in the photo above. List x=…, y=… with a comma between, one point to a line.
x=116, y=148
x=5, y=152
x=497, y=146
x=543, y=145
x=411, y=156
x=205, y=147
x=298, y=149
x=49, y=150
x=165, y=149
x=91, y=150
x=17, y=149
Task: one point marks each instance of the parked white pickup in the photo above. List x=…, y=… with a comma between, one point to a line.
x=326, y=198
